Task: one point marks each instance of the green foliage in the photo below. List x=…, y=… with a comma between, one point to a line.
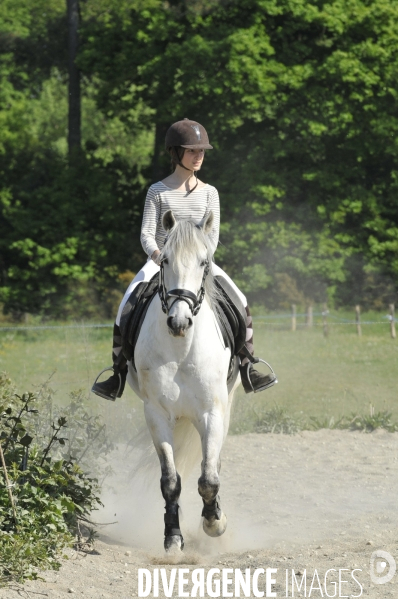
x=366, y=423
x=50, y=490
x=62, y=229
x=276, y=420
x=373, y=421
x=299, y=99
x=327, y=422
x=261, y=418
x=85, y=439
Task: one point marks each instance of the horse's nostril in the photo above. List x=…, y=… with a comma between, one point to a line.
x=190, y=322
x=170, y=322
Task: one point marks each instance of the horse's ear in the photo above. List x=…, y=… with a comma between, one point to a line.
x=207, y=222
x=168, y=220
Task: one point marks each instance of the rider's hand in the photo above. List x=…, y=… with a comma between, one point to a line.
x=155, y=256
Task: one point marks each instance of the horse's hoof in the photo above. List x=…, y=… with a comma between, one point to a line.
x=173, y=544
x=215, y=528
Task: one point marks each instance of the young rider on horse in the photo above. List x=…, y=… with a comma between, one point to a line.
x=188, y=198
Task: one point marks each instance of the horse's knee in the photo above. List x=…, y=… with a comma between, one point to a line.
x=170, y=485
x=218, y=465
x=208, y=487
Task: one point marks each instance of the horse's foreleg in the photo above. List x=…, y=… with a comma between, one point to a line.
x=170, y=482
x=214, y=519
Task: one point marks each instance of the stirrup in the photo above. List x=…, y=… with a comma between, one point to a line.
x=119, y=388
x=268, y=385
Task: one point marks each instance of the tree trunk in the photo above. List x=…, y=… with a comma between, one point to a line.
x=161, y=160
x=74, y=114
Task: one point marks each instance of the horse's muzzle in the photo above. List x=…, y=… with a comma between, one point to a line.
x=178, y=326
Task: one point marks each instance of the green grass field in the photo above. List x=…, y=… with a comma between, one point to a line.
x=318, y=376
x=326, y=377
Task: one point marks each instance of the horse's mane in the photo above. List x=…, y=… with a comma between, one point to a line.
x=184, y=241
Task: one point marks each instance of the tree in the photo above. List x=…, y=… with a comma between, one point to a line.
x=66, y=231
x=74, y=114
x=299, y=99
x=300, y=102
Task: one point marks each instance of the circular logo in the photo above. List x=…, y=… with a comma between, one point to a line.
x=379, y=573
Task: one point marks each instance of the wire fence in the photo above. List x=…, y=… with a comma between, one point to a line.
x=55, y=327
x=326, y=319
x=268, y=319
x=273, y=319
x=77, y=351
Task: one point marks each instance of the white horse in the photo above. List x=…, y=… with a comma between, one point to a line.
x=182, y=367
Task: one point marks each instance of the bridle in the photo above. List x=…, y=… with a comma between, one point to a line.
x=194, y=301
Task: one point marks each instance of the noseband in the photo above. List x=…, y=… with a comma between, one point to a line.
x=194, y=301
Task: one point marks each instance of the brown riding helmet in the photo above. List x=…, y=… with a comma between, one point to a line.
x=188, y=134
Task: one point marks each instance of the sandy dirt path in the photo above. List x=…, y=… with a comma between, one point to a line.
x=308, y=502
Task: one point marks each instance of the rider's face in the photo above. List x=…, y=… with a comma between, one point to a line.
x=193, y=159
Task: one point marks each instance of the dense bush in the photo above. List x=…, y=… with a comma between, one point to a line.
x=51, y=495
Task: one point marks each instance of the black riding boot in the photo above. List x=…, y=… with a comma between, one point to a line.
x=255, y=381
x=113, y=387
x=252, y=380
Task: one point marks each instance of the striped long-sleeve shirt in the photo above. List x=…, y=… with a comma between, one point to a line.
x=193, y=206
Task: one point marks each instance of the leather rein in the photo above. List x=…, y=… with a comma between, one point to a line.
x=194, y=301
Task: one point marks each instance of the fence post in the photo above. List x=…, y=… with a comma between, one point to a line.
x=358, y=319
x=325, y=313
x=294, y=322
x=392, y=321
x=310, y=320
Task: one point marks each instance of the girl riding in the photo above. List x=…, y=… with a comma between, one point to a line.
x=188, y=198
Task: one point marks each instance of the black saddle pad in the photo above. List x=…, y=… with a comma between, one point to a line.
x=229, y=310
x=133, y=315
x=231, y=315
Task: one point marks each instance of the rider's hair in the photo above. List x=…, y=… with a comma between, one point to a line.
x=176, y=154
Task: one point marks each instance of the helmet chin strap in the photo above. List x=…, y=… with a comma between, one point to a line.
x=193, y=173
x=183, y=166
x=193, y=188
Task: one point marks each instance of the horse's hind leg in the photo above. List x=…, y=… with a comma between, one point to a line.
x=170, y=482
x=214, y=519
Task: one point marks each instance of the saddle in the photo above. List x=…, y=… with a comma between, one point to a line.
x=231, y=316
x=229, y=311
x=133, y=315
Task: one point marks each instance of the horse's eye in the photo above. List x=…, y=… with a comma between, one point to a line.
x=165, y=261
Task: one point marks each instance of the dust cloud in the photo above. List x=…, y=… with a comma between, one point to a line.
x=277, y=491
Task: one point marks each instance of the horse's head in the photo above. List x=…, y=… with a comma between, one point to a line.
x=185, y=270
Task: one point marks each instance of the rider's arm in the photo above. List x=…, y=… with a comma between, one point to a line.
x=214, y=204
x=149, y=222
